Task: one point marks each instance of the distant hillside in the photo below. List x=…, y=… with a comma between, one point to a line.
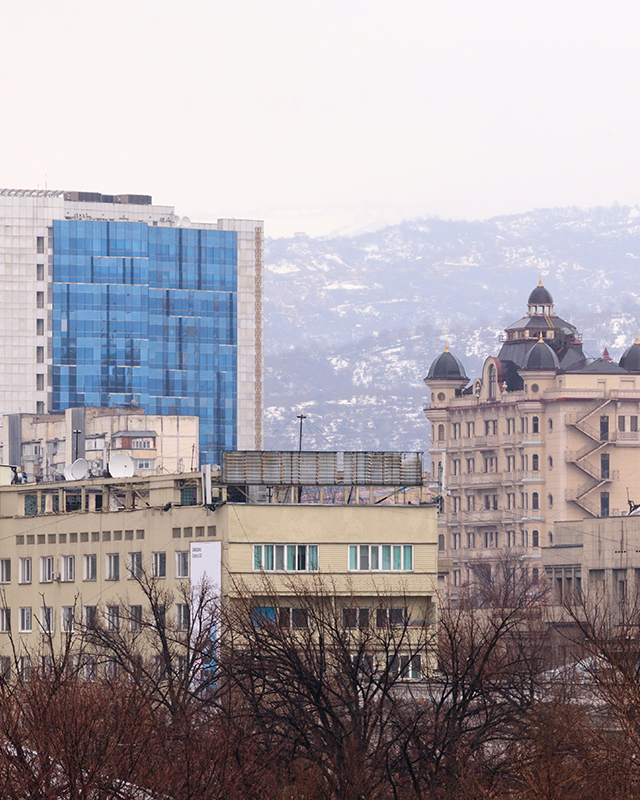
x=352, y=323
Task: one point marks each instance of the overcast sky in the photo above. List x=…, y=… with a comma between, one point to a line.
x=338, y=115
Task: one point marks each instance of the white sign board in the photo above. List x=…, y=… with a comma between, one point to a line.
x=206, y=565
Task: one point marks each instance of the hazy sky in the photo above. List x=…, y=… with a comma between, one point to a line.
x=326, y=116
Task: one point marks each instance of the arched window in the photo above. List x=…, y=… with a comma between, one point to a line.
x=550, y=423
x=550, y=500
x=493, y=382
x=535, y=425
x=535, y=500
x=550, y=462
x=535, y=462
x=441, y=433
x=441, y=542
x=535, y=538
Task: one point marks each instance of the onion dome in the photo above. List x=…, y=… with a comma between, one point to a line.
x=541, y=357
x=540, y=296
x=446, y=367
x=631, y=357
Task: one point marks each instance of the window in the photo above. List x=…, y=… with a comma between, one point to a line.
x=511, y=538
x=390, y=617
x=40, y=244
x=189, y=496
x=550, y=500
x=159, y=565
x=135, y=618
x=524, y=462
x=39, y=327
x=182, y=564
x=490, y=464
x=46, y=569
x=535, y=501
x=493, y=382
x=535, y=538
x=471, y=466
x=633, y=424
x=550, y=462
x=135, y=565
x=471, y=502
x=24, y=668
x=68, y=619
x=113, y=618
x=384, y=557
x=46, y=619
x=604, y=466
x=550, y=423
x=456, y=430
x=604, y=504
x=39, y=272
x=113, y=567
x=621, y=424
x=5, y=570
x=524, y=500
x=455, y=541
x=441, y=542
x=24, y=570
x=441, y=433
x=40, y=355
x=90, y=566
x=25, y=620
x=40, y=410
x=491, y=427
x=535, y=425
x=90, y=668
x=511, y=500
x=456, y=504
x=535, y=462
x=5, y=620
x=89, y=617
x=511, y=425
x=511, y=463
x=141, y=444
x=471, y=430
x=182, y=616
x=356, y=617
x=39, y=299
x=407, y=668
x=289, y=557
x=68, y=568
x=456, y=466
x=471, y=540
x=144, y=463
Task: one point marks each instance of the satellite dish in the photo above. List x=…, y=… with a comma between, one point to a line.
x=79, y=469
x=121, y=466
x=67, y=473
x=185, y=223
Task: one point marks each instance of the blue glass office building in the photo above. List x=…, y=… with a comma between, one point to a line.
x=147, y=314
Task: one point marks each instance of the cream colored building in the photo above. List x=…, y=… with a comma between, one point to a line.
x=42, y=445
x=58, y=567
x=543, y=434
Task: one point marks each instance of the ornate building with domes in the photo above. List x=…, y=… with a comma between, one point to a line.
x=544, y=435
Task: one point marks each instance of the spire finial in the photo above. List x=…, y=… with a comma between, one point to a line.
x=540, y=281
x=446, y=347
x=540, y=338
x=637, y=341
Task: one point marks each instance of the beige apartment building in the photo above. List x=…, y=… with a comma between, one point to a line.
x=67, y=568
x=43, y=445
x=544, y=434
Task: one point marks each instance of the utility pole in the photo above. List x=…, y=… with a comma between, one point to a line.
x=301, y=417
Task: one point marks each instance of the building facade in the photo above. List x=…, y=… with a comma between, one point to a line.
x=543, y=434
x=72, y=552
x=43, y=445
x=107, y=300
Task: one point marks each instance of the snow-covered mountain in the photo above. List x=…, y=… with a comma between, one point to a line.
x=353, y=322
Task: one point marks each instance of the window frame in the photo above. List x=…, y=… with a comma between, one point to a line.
x=182, y=555
x=359, y=560
x=25, y=615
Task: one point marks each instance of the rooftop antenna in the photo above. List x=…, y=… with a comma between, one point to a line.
x=301, y=417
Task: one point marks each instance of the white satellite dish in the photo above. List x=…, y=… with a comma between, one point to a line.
x=185, y=222
x=79, y=469
x=121, y=466
x=67, y=473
